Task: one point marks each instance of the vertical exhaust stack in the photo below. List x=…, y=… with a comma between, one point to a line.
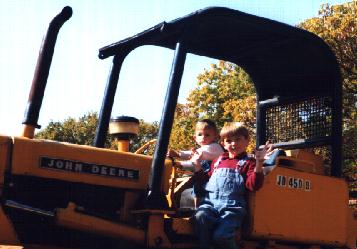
x=41, y=73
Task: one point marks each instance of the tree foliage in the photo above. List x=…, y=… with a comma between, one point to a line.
x=224, y=93
x=337, y=26
x=215, y=88
x=147, y=132
x=71, y=130
x=82, y=131
x=183, y=128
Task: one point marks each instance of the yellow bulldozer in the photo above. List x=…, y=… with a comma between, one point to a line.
x=60, y=195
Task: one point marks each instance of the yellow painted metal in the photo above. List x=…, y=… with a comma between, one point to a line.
x=28, y=131
x=11, y=247
x=352, y=228
x=310, y=208
x=307, y=161
x=145, y=146
x=123, y=145
x=5, y=149
x=69, y=218
x=27, y=154
x=156, y=236
x=7, y=232
x=172, y=182
x=182, y=226
x=130, y=198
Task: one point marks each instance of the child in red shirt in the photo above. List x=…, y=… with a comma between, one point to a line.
x=223, y=208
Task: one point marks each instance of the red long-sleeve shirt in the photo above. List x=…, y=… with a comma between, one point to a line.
x=245, y=164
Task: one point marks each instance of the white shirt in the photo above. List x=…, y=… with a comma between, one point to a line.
x=209, y=152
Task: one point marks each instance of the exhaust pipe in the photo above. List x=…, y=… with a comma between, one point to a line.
x=41, y=73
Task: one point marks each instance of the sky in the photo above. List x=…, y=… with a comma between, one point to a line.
x=77, y=77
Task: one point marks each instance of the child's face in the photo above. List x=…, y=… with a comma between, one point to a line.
x=205, y=136
x=235, y=145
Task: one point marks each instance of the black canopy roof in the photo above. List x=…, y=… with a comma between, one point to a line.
x=282, y=60
x=290, y=68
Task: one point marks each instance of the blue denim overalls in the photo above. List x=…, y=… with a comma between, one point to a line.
x=222, y=210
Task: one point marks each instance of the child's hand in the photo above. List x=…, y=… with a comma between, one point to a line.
x=178, y=165
x=269, y=150
x=261, y=155
x=196, y=160
x=193, y=152
x=197, y=155
x=172, y=153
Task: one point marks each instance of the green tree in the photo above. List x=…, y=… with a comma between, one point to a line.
x=82, y=131
x=215, y=87
x=223, y=93
x=147, y=132
x=337, y=25
x=71, y=130
x=183, y=128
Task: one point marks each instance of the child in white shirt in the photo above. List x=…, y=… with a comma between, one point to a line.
x=206, y=136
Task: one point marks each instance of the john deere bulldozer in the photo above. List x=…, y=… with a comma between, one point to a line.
x=60, y=195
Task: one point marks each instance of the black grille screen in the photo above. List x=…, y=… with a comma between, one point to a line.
x=307, y=119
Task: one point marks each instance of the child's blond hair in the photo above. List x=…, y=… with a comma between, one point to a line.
x=234, y=129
